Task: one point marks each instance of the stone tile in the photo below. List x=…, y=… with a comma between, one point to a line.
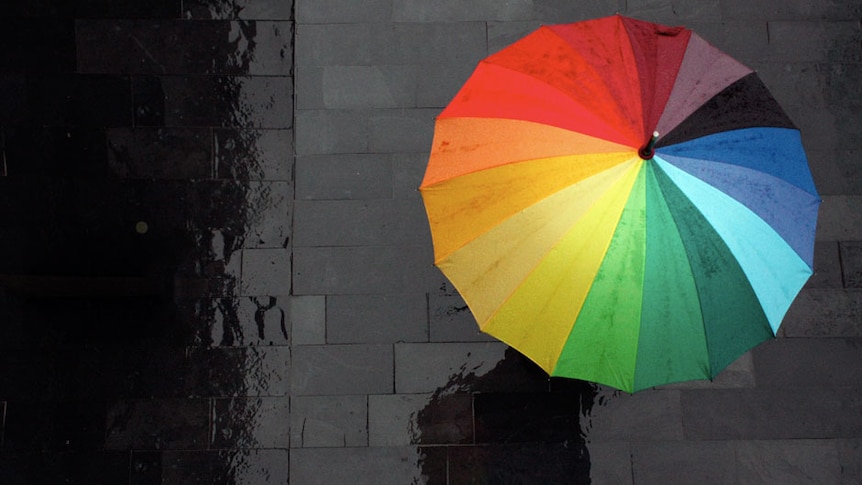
x=514, y=373
x=64, y=151
x=328, y=421
x=253, y=154
x=404, y=130
x=819, y=127
x=405, y=419
x=753, y=414
x=789, y=10
x=361, y=87
x=558, y=11
x=212, y=211
x=451, y=319
x=788, y=461
x=650, y=415
x=434, y=461
x=851, y=263
x=437, y=83
x=408, y=169
x=45, y=39
x=238, y=322
x=840, y=82
x=266, y=272
x=345, y=177
x=51, y=424
x=455, y=11
x=676, y=12
x=145, y=467
x=447, y=418
x=161, y=373
x=809, y=362
x=346, y=44
x=307, y=319
x=360, y=223
x=815, y=41
x=155, y=9
x=272, y=54
x=157, y=424
x=342, y=369
x=687, y=462
x=453, y=43
x=75, y=100
x=740, y=373
x=263, y=467
x=392, y=418
x=268, y=214
x=824, y=312
x=222, y=101
x=363, y=270
x=364, y=131
x=343, y=11
x=239, y=372
x=261, y=102
x=160, y=153
x=610, y=463
x=421, y=368
x=216, y=47
x=262, y=422
x=517, y=463
x=827, y=266
x=796, y=84
x=321, y=132
x=525, y=417
x=242, y=9
x=504, y=34
x=836, y=170
x=367, y=44
x=746, y=41
x=834, y=224
x=378, y=465
x=59, y=466
x=848, y=128
x=850, y=459
x=376, y=318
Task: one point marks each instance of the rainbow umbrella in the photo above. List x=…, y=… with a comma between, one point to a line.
x=621, y=202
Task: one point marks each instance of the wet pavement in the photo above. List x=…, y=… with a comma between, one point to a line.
x=216, y=268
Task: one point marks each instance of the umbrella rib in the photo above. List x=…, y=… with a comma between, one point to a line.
x=720, y=162
x=498, y=193
x=611, y=205
x=747, y=255
x=802, y=218
x=691, y=269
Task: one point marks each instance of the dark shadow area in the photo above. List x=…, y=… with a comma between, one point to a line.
x=495, y=428
x=125, y=200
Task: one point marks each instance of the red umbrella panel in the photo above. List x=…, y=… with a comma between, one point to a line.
x=622, y=202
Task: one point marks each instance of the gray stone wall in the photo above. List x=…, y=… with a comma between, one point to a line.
x=378, y=335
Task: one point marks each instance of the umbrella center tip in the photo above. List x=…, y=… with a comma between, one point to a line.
x=647, y=151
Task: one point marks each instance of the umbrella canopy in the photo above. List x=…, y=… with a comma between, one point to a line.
x=621, y=202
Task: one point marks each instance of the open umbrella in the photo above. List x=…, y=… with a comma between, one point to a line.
x=621, y=202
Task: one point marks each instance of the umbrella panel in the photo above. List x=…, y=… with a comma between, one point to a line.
x=532, y=304
x=744, y=104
